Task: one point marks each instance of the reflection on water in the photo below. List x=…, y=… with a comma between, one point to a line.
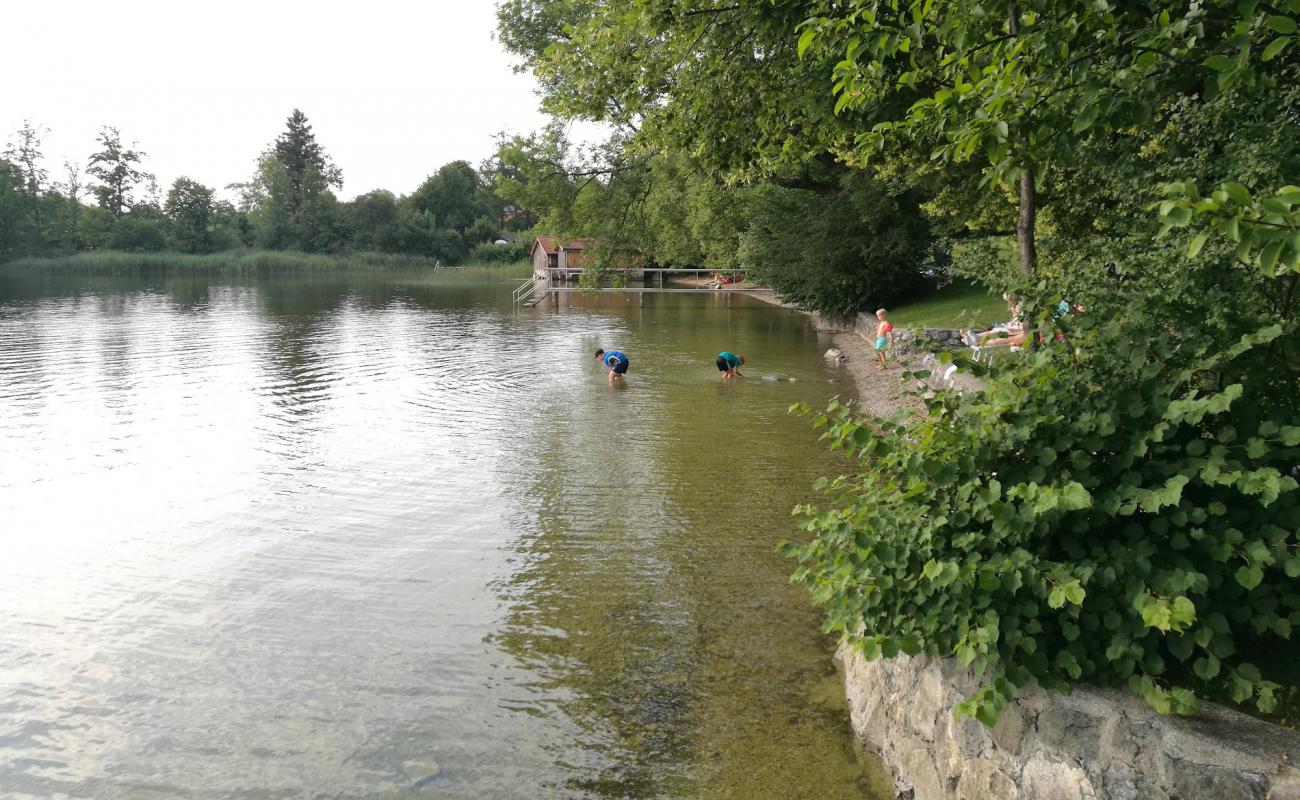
x=392, y=538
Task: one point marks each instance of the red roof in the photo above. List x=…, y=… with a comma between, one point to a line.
x=553, y=244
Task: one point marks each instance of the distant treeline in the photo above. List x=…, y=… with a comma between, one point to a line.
x=287, y=205
x=236, y=261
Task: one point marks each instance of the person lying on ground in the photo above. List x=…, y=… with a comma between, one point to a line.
x=1015, y=327
x=729, y=364
x=1010, y=340
x=615, y=361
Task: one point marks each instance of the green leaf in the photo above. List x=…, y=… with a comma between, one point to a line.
x=1182, y=701
x=1182, y=613
x=1268, y=257
x=1086, y=118
x=1158, y=615
x=1219, y=63
x=1237, y=192
x=1281, y=24
x=1198, y=241
x=986, y=714
x=805, y=41
x=1292, y=567
x=1250, y=576
x=1056, y=597
x=1178, y=216
x=965, y=654
x=1274, y=48
x=1066, y=661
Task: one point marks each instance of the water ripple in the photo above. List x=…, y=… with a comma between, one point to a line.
x=328, y=539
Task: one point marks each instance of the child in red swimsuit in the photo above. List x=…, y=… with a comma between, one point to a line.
x=884, y=336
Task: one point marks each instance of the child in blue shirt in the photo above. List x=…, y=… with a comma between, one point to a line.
x=615, y=361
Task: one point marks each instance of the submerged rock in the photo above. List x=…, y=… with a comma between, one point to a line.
x=421, y=771
x=837, y=355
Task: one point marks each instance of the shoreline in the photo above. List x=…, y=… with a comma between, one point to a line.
x=877, y=392
x=901, y=711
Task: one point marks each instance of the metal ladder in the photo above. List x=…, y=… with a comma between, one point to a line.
x=525, y=291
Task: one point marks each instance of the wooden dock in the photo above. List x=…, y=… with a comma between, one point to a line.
x=536, y=289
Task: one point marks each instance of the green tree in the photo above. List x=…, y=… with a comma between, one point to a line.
x=25, y=154
x=302, y=157
x=116, y=167
x=143, y=229
x=12, y=211
x=535, y=175
x=455, y=195
x=706, y=98
x=373, y=221
x=458, y=202
x=1017, y=85
x=719, y=81
x=295, y=177
x=190, y=209
x=861, y=247
x=25, y=157
x=67, y=219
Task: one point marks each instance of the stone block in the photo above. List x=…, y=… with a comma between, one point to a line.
x=1121, y=740
x=918, y=766
x=1117, y=783
x=1069, y=734
x=926, y=703
x=1008, y=734
x=1092, y=744
x=1286, y=786
x=1045, y=778
x=1194, y=781
x=983, y=779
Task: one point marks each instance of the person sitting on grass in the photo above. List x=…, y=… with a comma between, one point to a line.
x=884, y=336
x=729, y=365
x=616, y=362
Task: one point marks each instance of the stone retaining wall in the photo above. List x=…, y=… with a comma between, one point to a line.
x=1093, y=744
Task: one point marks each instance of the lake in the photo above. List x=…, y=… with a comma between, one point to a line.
x=392, y=537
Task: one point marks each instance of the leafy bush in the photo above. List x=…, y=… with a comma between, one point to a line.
x=839, y=252
x=1123, y=513
x=489, y=253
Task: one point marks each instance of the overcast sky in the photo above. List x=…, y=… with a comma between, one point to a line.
x=393, y=89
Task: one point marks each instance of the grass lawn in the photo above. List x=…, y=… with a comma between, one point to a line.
x=957, y=305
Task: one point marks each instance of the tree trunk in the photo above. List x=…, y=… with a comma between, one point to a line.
x=1025, y=224
x=1028, y=197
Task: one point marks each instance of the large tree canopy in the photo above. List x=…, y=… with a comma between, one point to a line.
x=710, y=103
x=117, y=168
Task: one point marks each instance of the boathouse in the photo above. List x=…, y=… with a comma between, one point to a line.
x=552, y=252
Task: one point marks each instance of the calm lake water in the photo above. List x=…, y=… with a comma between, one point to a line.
x=390, y=537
